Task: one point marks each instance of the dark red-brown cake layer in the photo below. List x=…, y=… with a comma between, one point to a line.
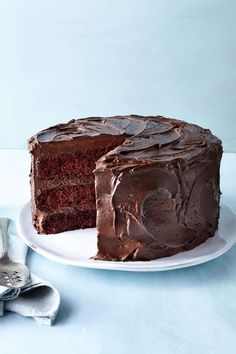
x=71, y=165
x=51, y=223
x=82, y=197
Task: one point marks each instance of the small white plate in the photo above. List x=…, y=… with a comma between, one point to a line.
x=76, y=247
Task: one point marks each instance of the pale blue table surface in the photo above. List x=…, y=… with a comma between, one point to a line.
x=190, y=310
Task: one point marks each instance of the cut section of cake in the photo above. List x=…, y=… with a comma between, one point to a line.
x=62, y=179
x=149, y=184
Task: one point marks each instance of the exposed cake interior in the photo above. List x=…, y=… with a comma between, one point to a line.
x=63, y=183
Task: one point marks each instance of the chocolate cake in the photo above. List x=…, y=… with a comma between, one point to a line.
x=149, y=184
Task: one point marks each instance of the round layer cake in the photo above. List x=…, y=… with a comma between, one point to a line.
x=149, y=184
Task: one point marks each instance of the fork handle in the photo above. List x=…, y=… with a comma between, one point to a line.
x=4, y=223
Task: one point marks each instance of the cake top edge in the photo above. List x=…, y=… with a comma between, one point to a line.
x=145, y=138
x=128, y=125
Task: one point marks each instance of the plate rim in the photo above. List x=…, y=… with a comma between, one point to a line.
x=138, y=266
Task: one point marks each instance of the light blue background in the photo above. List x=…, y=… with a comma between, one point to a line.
x=63, y=59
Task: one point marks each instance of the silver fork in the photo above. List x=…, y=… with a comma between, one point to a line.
x=12, y=274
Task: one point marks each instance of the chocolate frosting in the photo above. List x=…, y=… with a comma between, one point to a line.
x=158, y=192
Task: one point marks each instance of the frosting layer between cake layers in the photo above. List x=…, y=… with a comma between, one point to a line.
x=156, y=183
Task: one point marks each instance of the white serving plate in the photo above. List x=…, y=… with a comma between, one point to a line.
x=77, y=247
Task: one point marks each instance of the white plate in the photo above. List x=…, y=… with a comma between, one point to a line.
x=76, y=247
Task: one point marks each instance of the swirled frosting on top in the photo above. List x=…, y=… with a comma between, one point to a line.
x=147, y=138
